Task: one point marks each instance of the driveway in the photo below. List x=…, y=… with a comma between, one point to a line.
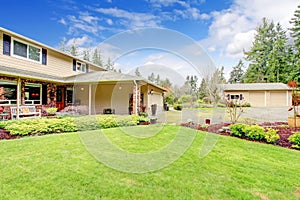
x=219, y=115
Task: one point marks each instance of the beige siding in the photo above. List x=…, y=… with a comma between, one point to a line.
x=58, y=64
x=115, y=96
x=155, y=98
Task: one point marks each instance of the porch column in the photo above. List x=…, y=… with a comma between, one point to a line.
x=19, y=91
x=90, y=99
x=136, y=97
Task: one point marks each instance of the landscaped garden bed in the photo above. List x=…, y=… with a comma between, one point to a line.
x=281, y=128
x=13, y=129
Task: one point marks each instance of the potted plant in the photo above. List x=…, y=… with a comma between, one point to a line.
x=51, y=111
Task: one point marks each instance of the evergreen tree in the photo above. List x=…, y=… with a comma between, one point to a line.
x=202, y=91
x=86, y=53
x=295, y=33
x=74, y=49
x=96, y=58
x=137, y=72
x=237, y=73
x=151, y=77
x=110, y=65
x=62, y=46
x=258, y=55
x=277, y=62
x=157, y=79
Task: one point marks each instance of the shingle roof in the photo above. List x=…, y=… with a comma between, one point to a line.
x=255, y=86
x=91, y=77
x=102, y=76
x=8, y=71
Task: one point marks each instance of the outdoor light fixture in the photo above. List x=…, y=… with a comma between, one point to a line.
x=151, y=91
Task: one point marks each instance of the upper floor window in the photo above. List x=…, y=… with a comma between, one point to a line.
x=80, y=67
x=26, y=51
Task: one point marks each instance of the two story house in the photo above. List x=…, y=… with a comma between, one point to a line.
x=32, y=73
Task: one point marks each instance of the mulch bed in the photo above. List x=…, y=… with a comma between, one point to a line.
x=283, y=130
x=4, y=135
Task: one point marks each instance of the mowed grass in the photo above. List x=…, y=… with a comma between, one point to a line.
x=59, y=167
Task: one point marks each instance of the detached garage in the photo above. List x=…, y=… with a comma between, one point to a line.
x=260, y=94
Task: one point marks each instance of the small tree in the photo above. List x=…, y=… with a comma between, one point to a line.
x=235, y=108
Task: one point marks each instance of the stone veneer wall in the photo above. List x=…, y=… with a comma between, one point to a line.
x=138, y=93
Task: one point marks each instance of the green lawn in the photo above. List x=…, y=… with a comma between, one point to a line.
x=59, y=167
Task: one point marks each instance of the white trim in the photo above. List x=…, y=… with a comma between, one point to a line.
x=27, y=56
x=90, y=99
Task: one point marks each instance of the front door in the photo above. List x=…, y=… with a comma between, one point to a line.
x=60, y=98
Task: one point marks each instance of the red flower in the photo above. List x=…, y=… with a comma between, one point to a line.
x=292, y=84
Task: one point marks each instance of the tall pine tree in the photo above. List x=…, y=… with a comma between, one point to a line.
x=295, y=33
x=237, y=73
x=258, y=55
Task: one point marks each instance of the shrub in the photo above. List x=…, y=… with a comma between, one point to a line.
x=295, y=139
x=177, y=107
x=237, y=130
x=107, y=121
x=86, y=123
x=254, y=132
x=271, y=135
x=51, y=111
x=40, y=126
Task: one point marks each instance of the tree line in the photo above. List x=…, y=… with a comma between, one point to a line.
x=273, y=56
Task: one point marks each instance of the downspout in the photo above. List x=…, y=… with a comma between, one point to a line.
x=136, y=97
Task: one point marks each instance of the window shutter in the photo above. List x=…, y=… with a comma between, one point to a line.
x=6, y=44
x=87, y=68
x=44, y=56
x=241, y=97
x=74, y=65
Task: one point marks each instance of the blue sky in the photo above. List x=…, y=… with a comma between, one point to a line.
x=222, y=27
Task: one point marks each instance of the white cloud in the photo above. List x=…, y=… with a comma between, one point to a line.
x=131, y=19
x=109, y=22
x=187, y=10
x=62, y=21
x=232, y=30
x=79, y=41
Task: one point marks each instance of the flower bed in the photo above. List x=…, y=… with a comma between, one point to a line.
x=283, y=130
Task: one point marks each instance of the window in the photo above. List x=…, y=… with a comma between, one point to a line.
x=70, y=95
x=33, y=93
x=236, y=97
x=8, y=92
x=80, y=67
x=27, y=51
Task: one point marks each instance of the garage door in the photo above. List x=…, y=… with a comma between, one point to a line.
x=278, y=98
x=257, y=98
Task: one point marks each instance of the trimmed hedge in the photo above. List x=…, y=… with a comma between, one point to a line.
x=68, y=124
x=295, y=139
x=254, y=132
